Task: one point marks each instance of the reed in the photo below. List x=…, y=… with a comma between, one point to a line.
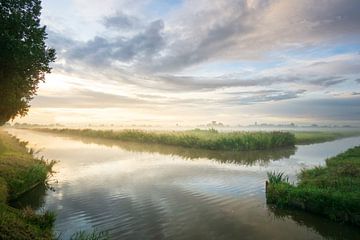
x=202, y=139
x=332, y=190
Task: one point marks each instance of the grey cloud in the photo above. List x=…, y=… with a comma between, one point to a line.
x=357, y=80
x=100, y=51
x=263, y=96
x=228, y=30
x=335, y=108
x=59, y=41
x=328, y=81
x=187, y=83
x=344, y=66
x=122, y=21
x=242, y=31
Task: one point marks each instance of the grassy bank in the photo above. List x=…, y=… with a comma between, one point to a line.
x=309, y=137
x=202, y=139
x=20, y=172
x=332, y=190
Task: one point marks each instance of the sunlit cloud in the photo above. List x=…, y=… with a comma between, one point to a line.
x=227, y=61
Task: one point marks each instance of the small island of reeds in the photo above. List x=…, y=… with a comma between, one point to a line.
x=203, y=139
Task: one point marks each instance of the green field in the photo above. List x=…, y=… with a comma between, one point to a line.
x=332, y=190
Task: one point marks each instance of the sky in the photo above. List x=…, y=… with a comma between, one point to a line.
x=190, y=62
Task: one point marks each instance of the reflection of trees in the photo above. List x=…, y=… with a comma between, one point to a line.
x=261, y=157
x=34, y=198
x=321, y=225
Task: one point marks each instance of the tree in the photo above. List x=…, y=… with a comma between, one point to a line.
x=24, y=56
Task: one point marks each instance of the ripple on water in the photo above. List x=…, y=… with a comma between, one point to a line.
x=135, y=194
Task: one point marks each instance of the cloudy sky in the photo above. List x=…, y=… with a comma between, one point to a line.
x=192, y=61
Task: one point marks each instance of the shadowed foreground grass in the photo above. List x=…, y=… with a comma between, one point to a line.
x=20, y=172
x=332, y=190
x=203, y=139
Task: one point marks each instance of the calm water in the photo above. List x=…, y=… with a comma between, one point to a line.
x=137, y=191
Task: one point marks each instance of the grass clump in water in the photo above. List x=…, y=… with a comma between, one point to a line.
x=277, y=177
x=332, y=191
x=202, y=139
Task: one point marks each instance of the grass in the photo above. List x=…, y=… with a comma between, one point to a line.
x=20, y=172
x=94, y=235
x=275, y=178
x=309, y=137
x=201, y=139
x=24, y=224
x=332, y=190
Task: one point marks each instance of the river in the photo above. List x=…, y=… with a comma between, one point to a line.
x=138, y=191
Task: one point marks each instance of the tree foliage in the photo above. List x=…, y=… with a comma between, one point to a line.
x=24, y=56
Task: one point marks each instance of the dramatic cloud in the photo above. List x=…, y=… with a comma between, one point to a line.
x=191, y=54
x=100, y=51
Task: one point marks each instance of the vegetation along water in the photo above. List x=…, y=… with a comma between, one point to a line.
x=205, y=139
x=20, y=171
x=332, y=190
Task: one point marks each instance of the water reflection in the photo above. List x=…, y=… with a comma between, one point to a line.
x=245, y=157
x=323, y=226
x=138, y=191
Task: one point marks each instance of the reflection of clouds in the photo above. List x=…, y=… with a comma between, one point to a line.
x=142, y=195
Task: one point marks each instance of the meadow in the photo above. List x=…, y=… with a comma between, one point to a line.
x=332, y=190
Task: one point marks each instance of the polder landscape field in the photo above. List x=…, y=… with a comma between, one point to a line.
x=179, y=120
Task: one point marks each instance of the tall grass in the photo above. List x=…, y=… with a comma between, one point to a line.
x=203, y=139
x=277, y=177
x=333, y=191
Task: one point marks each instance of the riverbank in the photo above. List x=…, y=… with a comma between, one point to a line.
x=310, y=137
x=202, y=139
x=20, y=171
x=332, y=190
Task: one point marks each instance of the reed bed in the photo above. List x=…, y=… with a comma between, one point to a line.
x=202, y=139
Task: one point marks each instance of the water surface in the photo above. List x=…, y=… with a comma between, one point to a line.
x=137, y=191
